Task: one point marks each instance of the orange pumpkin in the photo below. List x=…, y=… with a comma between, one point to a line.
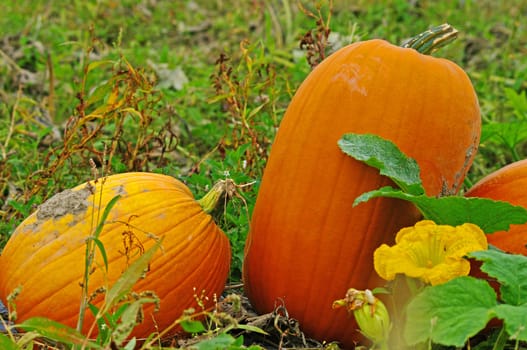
x=308, y=244
x=506, y=184
x=46, y=253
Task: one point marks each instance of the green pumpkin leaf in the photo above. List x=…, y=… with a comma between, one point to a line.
x=515, y=319
x=386, y=157
x=450, y=313
x=511, y=272
x=489, y=215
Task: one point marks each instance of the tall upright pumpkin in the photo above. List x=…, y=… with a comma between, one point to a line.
x=308, y=244
x=45, y=256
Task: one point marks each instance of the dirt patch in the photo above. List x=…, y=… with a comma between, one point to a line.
x=234, y=309
x=63, y=203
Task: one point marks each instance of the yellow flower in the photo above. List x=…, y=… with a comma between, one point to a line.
x=430, y=252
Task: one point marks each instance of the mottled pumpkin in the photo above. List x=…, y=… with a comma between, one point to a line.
x=45, y=256
x=506, y=184
x=307, y=243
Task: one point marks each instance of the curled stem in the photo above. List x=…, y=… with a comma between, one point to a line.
x=221, y=189
x=431, y=40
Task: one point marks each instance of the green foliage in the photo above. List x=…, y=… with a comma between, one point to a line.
x=509, y=270
x=489, y=215
x=512, y=132
x=385, y=156
x=116, y=318
x=214, y=340
x=223, y=341
x=451, y=313
x=191, y=326
x=93, y=244
x=53, y=330
x=7, y=343
x=243, y=65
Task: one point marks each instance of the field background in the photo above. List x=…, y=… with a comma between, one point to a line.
x=196, y=89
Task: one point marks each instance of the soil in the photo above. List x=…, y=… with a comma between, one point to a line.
x=283, y=332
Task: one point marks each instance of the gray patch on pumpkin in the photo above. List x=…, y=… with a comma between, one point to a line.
x=120, y=190
x=63, y=203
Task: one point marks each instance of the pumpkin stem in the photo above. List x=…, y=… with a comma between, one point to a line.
x=221, y=189
x=431, y=40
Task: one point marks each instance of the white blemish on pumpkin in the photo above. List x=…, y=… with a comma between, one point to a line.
x=350, y=77
x=63, y=203
x=120, y=190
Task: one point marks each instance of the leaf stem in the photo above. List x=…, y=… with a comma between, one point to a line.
x=500, y=342
x=221, y=189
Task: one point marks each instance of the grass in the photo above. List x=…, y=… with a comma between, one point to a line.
x=196, y=89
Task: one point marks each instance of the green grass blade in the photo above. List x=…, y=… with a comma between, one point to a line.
x=56, y=331
x=105, y=214
x=127, y=280
x=102, y=250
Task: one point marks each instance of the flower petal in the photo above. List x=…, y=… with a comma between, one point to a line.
x=390, y=261
x=433, y=253
x=445, y=272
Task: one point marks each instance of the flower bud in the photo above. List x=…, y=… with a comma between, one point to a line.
x=373, y=319
x=370, y=313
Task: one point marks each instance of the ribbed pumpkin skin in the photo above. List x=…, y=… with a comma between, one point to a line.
x=45, y=255
x=307, y=244
x=506, y=184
